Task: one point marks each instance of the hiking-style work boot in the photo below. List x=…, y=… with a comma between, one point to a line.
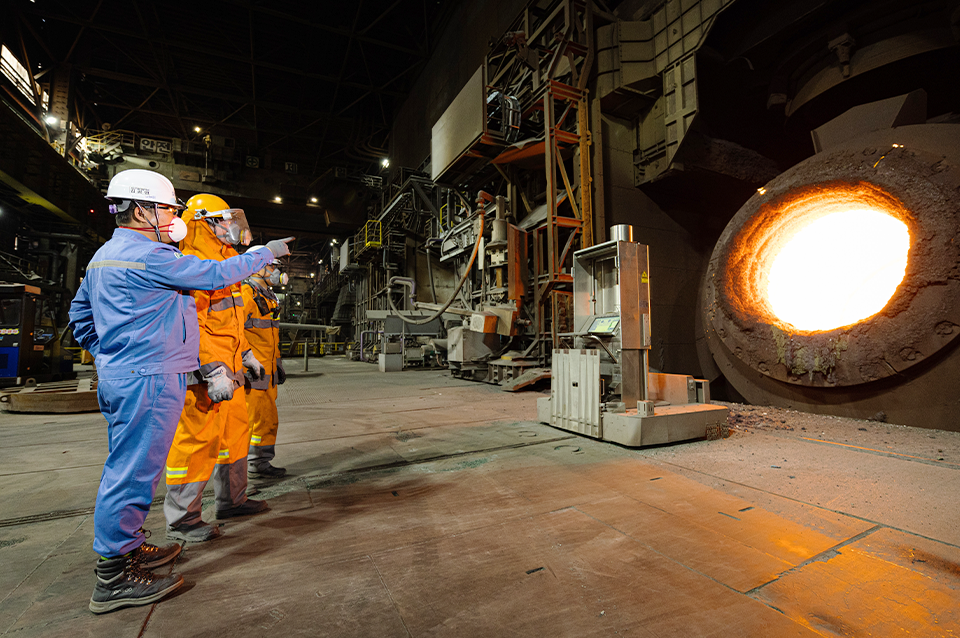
x=123, y=582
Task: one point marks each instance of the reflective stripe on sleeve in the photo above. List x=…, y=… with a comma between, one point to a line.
x=115, y=263
x=255, y=439
x=226, y=303
x=224, y=454
x=253, y=322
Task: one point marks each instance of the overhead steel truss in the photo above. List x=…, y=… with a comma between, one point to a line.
x=164, y=68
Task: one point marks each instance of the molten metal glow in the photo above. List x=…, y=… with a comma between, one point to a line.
x=838, y=270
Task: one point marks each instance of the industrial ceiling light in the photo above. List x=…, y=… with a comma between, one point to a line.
x=278, y=199
x=385, y=162
x=51, y=119
x=838, y=270
x=196, y=129
x=313, y=200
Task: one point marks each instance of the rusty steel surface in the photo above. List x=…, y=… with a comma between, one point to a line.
x=918, y=183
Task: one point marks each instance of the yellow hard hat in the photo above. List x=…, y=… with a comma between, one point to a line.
x=205, y=205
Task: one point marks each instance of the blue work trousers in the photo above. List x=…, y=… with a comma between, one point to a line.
x=142, y=414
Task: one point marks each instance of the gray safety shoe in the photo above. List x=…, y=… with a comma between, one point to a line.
x=265, y=472
x=123, y=582
x=195, y=533
x=249, y=506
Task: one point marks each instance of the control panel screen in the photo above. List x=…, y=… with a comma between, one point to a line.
x=604, y=325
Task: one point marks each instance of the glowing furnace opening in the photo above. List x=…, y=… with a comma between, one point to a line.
x=838, y=270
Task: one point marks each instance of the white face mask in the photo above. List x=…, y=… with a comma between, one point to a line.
x=176, y=230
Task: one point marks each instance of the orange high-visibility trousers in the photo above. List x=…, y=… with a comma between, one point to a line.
x=208, y=433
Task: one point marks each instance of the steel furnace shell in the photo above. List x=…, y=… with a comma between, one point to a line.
x=918, y=181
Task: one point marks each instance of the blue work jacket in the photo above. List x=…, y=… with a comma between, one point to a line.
x=130, y=312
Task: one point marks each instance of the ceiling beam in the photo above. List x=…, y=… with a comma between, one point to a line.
x=347, y=33
x=237, y=99
x=193, y=48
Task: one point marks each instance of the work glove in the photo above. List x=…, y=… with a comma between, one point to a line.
x=281, y=373
x=219, y=385
x=254, y=369
x=279, y=247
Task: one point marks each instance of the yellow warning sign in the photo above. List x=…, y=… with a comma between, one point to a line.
x=643, y=278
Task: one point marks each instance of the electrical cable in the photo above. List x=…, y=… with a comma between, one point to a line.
x=463, y=279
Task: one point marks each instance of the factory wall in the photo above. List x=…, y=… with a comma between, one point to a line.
x=457, y=56
x=676, y=257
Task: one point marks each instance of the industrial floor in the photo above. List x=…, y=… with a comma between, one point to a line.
x=418, y=504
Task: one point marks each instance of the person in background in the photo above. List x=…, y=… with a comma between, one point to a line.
x=261, y=310
x=213, y=435
x=131, y=315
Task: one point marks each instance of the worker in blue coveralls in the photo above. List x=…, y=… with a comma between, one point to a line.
x=131, y=315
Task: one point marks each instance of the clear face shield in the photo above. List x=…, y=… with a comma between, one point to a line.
x=230, y=226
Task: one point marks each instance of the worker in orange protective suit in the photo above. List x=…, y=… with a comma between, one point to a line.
x=212, y=435
x=261, y=309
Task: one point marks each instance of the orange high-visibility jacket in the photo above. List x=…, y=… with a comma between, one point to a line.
x=220, y=312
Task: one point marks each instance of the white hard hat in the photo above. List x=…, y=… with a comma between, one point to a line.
x=143, y=186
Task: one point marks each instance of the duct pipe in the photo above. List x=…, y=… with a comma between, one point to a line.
x=409, y=283
x=139, y=161
x=304, y=326
x=621, y=232
x=363, y=332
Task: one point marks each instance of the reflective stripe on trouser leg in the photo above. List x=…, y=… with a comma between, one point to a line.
x=230, y=474
x=197, y=442
x=182, y=505
x=230, y=484
x=262, y=413
x=142, y=415
x=192, y=456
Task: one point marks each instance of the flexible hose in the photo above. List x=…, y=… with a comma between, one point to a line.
x=433, y=287
x=463, y=279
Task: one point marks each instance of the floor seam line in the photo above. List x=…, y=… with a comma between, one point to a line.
x=27, y=577
x=389, y=594
x=819, y=557
x=893, y=455
x=820, y=507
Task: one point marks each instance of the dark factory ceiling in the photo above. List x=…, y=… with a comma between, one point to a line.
x=315, y=81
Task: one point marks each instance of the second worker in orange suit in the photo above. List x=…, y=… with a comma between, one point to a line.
x=261, y=309
x=213, y=434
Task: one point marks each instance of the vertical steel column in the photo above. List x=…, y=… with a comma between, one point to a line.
x=586, y=190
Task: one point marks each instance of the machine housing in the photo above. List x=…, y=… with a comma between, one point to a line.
x=602, y=387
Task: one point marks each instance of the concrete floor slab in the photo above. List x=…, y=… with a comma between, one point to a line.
x=417, y=504
x=839, y=593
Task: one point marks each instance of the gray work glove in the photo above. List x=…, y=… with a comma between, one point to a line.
x=219, y=385
x=279, y=247
x=281, y=373
x=254, y=369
